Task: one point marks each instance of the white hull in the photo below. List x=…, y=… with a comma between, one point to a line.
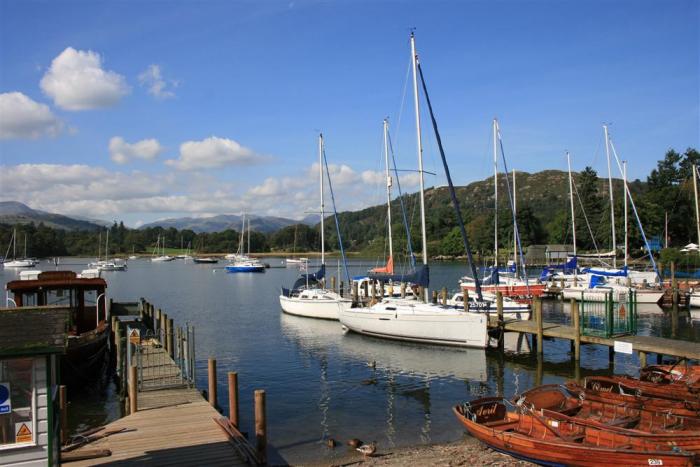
x=599, y=294
x=20, y=263
x=161, y=259
x=310, y=308
x=695, y=300
x=413, y=321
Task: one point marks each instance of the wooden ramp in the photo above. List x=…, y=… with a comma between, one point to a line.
x=184, y=434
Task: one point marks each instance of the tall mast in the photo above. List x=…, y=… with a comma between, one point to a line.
x=320, y=172
x=107, y=246
x=697, y=210
x=612, y=206
x=495, y=192
x=571, y=200
x=388, y=186
x=249, y=236
x=515, y=238
x=14, y=244
x=414, y=62
x=624, y=186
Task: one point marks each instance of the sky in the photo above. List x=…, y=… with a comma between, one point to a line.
x=139, y=111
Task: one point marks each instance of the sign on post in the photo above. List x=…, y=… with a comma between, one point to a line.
x=135, y=336
x=5, y=400
x=23, y=434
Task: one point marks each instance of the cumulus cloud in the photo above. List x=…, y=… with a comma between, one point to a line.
x=76, y=81
x=121, y=152
x=21, y=117
x=213, y=152
x=157, y=86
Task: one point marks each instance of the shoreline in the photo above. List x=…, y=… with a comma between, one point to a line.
x=467, y=451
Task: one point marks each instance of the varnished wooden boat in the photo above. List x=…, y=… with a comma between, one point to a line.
x=671, y=374
x=634, y=417
x=628, y=385
x=613, y=393
x=548, y=441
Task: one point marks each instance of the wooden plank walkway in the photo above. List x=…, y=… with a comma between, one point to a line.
x=174, y=424
x=648, y=344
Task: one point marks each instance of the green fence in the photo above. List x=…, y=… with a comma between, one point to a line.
x=608, y=313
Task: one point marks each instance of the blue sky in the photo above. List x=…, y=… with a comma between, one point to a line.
x=214, y=106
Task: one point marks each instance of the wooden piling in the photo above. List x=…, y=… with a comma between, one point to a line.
x=642, y=359
x=577, y=331
x=118, y=348
x=212, y=381
x=162, y=325
x=465, y=299
x=333, y=283
x=403, y=290
x=341, y=289
x=233, y=397
x=443, y=296
x=63, y=408
x=355, y=296
x=501, y=321
x=435, y=296
x=156, y=321
x=260, y=426
x=537, y=302
x=133, y=390
x=169, y=338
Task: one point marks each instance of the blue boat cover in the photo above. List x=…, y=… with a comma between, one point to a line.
x=596, y=281
x=601, y=272
x=567, y=268
x=310, y=278
x=420, y=275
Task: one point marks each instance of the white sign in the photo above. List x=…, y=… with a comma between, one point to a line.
x=23, y=434
x=623, y=347
x=5, y=401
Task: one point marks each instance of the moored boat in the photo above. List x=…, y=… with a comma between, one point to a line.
x=549, y=441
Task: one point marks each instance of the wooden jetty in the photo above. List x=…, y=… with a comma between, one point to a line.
x=539, y=329
x=169, y=422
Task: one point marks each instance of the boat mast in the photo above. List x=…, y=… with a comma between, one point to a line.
x=495, y=193
x=571, y=200
x=515, y=237
x=414, y=61
x=320, y=172
x=107, y=245
x=612, y=206
x=249, y=236
x=624, y=184
x=388, y=186
x=697, y=209
x=14, y=244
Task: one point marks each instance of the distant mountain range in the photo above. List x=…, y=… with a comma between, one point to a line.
x=264, y=224
x=13, y=212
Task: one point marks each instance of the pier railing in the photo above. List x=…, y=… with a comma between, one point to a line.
x=609, y=314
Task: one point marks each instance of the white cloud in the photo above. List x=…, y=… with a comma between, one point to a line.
x=76, y=81
x=213, y=152
x=340, y=174
x=21, y=117
x=121, y=152
x=158, y=87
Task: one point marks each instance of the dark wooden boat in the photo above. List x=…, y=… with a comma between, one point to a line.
x=548, y=441
x=613, y=393
x=88, y=328
x=560, y=399
x=672, y=374
x=628, y=385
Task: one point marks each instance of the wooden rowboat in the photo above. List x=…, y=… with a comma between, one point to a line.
x=625, y=384
x=671, y=374
x=547, y=441
x=613, y=393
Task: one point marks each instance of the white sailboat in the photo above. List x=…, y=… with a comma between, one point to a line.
x=295, y=261
x=414, y=320
x=160, y=252
x=107, y=264
x=18, y=262
x=314, y=300
x=243, y=262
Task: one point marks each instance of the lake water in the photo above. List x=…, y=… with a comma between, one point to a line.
x=321, y=383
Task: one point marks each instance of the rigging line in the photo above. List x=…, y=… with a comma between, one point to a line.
x=335, y=216
x=453, y=195
x=588, y=225
x=403, y=208
x=403, y=100
x=512, y=210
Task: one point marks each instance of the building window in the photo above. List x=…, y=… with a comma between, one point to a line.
x=17, y=402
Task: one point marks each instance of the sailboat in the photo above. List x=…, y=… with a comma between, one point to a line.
x=107, y=264
x=308, y=297
x=240, y=253
x=160, y=252
x=295, y=260
x=18, y=262
x=507, y=282
x=414, y=320
x=243, y=262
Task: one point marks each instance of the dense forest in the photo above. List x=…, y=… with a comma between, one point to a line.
x=543, y=216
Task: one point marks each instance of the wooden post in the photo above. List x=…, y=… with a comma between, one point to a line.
x=355, y=296
x=118, y=348
x=611, y=354
x=341, y=290
x=372, y=291
x=465, y=299
x=156, y=321
x=390, y=289
x=63, y=408
x=365, y=286
x=443, y=294
x=233, y=398
x=333, y=283
x=403, y=290
x=435, y=296
x=163, y=321
x=212, y=382
x=577, y=330
x=642, y=359
x=169, y=338
x=537, y=302
x=674, y=285
x=260, y=426
x=133, y=389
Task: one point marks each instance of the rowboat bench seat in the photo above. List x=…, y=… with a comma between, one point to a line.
x=500, y=423
x=623, y=421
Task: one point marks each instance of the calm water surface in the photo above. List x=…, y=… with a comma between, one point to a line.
x=321, y=383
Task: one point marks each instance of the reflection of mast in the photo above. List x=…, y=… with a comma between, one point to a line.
x=425, y=429
x=325, y=399
x=391, y=395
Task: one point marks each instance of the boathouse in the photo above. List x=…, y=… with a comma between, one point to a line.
x=31, y=340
